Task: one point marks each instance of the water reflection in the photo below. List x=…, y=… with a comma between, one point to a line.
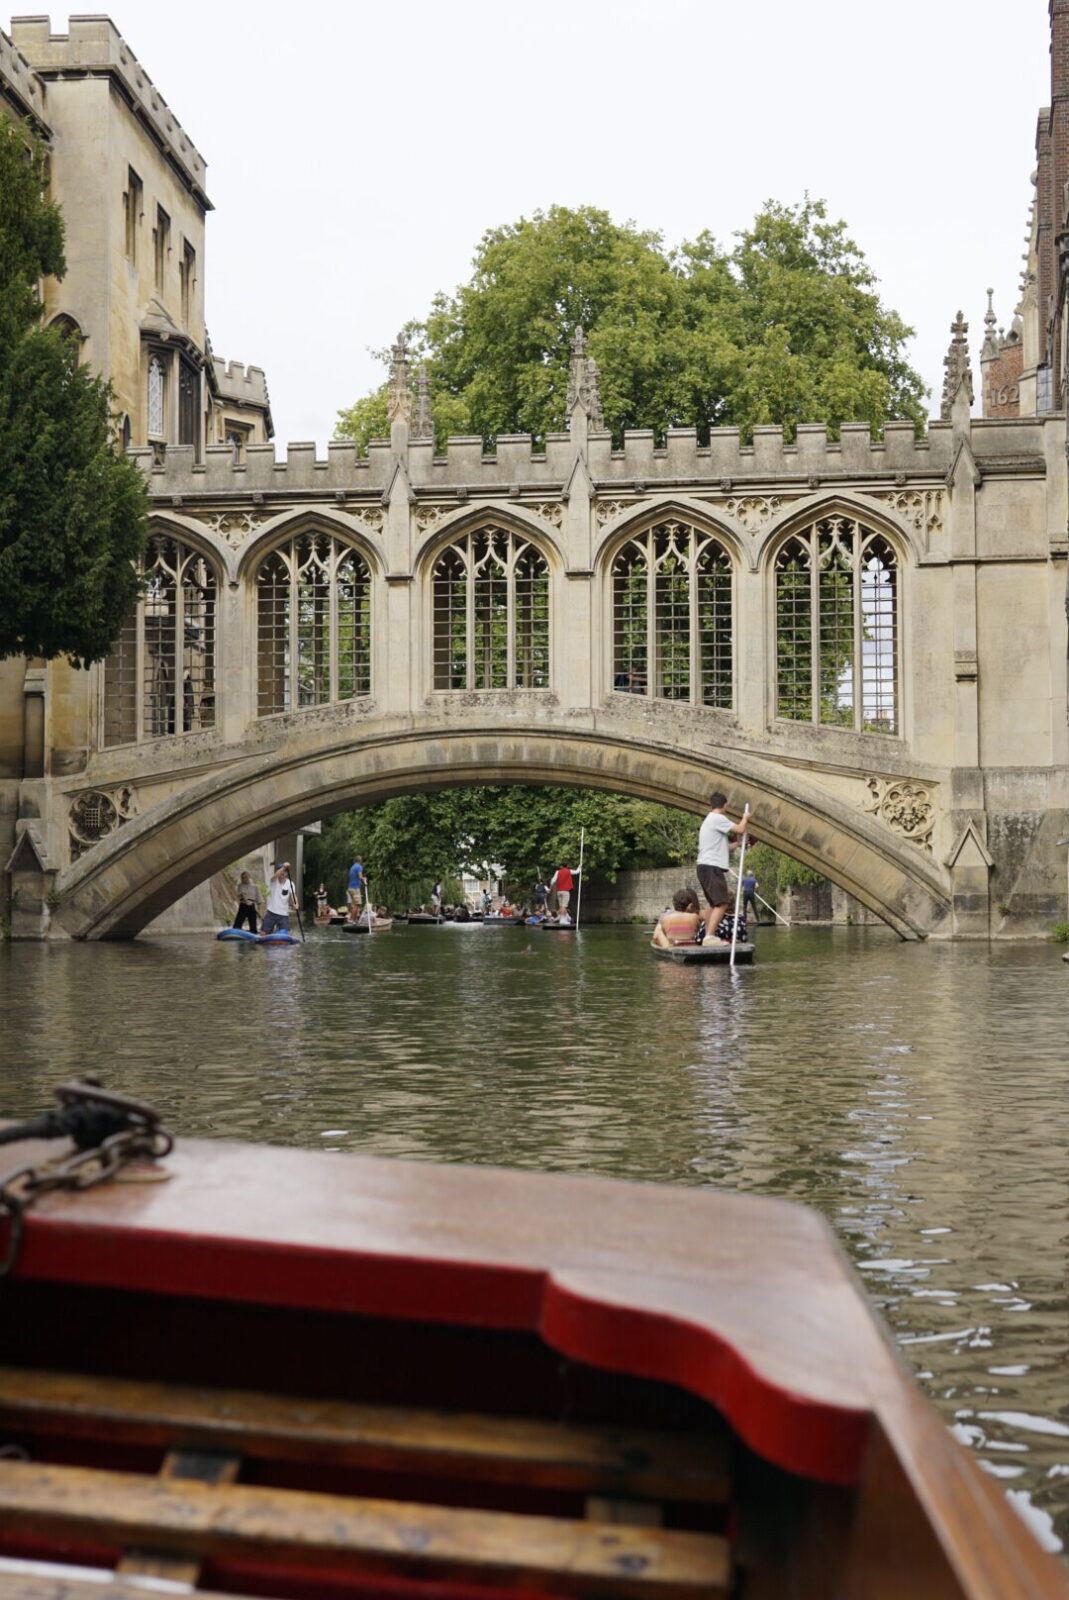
x=915, y=1094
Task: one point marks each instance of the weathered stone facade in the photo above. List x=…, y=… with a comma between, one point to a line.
x=865, y=639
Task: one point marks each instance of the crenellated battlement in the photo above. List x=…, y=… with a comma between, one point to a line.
x=20, y=85
x=93, y=44
x=236, y=382
x=1008, y=446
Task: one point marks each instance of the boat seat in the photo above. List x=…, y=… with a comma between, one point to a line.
x=194, y=1511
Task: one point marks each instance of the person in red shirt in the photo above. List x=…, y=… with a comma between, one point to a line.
x=563, y=883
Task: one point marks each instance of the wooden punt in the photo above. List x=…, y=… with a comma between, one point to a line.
x=503, y=922
x=378, y=925
x=285, y=1373
x=421, y=919
x=711, y=951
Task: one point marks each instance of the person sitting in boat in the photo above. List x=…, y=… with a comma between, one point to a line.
x=680, y=925
x=504, y=909
x=249, y=901
x=730, y=922
x=281, y=899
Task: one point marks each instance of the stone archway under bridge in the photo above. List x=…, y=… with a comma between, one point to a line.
x=115, y=889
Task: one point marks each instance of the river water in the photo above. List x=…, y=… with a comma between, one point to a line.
x=915, y=1094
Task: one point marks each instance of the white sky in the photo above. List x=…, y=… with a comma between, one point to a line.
x=356, y=152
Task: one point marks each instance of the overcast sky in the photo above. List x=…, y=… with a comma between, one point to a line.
x=357, y=152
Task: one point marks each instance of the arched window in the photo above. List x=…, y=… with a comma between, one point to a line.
x=313, y=601
x=160, y=676
x=156, y=415
x=837, y=627
x=66, y=325
x=491, y=613
x=671, y=598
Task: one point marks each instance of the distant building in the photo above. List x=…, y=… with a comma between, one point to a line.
x=131, y=186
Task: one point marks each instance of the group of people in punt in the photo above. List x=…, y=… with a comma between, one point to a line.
x=684, y=922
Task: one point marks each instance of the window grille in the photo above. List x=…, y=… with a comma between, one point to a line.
x=160, y=676
x=155, y=396
x=672, y=608
x=490, y=613
x=313, y=598
x=837, y=627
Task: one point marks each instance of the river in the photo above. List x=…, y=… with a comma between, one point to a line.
x=916, y=1094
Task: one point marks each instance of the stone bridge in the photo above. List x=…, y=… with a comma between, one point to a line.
x=864, y=639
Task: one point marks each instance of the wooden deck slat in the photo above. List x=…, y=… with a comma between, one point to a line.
x=337, y=1533
x=202, y=1467
x=614, y=1462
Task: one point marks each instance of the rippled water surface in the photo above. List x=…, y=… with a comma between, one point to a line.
x=916, y=1094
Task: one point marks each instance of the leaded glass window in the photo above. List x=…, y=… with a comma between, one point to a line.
x=672, y=601
x=837, y=627
x=313, y=605
x=160, y=676
x=490, y=613
x=155, y=395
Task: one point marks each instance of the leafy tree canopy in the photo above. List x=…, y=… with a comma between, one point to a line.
x=72, y=512
x=786, y=326
x=408, y=844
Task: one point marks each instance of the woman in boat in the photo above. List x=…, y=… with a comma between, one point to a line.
x=679, y=925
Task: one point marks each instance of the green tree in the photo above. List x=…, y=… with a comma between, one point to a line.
x=786, y=326
x=72, y=512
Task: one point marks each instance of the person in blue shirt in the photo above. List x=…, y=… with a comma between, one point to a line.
x=355, y=889
x=749, y=890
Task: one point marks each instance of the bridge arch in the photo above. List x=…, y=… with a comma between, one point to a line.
x=120, y=885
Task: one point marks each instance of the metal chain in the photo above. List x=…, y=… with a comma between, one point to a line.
x=141, y=1139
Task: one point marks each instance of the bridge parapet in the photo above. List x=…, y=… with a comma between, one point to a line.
x=811, y=459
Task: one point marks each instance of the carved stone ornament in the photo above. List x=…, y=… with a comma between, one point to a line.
x=921, y=508
x=905, y=806
x=550, y=511
x=605, y=510
x=373, y=517
x=752, y=511
x=234, y=526
x=428, y=516
x=94, y=814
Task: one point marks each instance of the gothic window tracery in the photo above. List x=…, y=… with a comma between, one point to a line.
x=491, y=613
x=160, y=676
x=155, y=395
x=838, y=627
x=313, y=599
x=672, y=616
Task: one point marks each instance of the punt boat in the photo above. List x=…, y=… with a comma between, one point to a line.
x=503, y=922
x=378, y=925
x=285, y=1373
x=711, y=951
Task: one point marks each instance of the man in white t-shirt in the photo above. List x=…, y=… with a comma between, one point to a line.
x=713, y=858
x=281, y=899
